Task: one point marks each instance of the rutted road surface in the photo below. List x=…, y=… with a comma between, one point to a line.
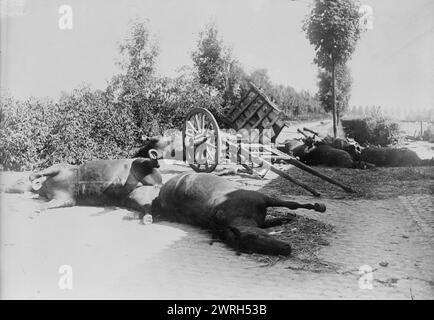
x=113, y=256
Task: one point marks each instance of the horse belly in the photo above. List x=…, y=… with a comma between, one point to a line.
x=102, y=183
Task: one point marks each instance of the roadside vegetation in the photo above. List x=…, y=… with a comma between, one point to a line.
x=86, y=124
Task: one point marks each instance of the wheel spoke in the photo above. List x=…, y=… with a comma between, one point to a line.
x=192, y=126
x=196, y=118
x=211, y=145
x=211, y=156
x=202, y=129
x=202, y=122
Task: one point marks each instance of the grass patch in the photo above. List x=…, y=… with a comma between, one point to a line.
x=379, y=183
x=306, y=237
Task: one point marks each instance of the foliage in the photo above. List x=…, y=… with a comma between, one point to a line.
x=261, y=79
x=376, y=129
x=172, y=99
x=216, y=67
x=139, y=52
x=208, y=58
x=294, y=104
x=88, y=128
x=101, y=124
x=343, y=89
x=136, y=84
x=90, y=124
x=428, y=135
x=79, y=127
x=24, y=127
x=332, y=27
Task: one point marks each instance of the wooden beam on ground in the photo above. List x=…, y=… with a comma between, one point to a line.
x=306, y=168
x=311, y=131
x=295, y=181
x=258, y=160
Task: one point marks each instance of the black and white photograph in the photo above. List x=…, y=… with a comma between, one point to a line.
x=217, y=150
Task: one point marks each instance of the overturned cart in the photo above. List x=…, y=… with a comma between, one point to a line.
x=255, y=123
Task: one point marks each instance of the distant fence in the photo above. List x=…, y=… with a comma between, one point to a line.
x=416, y=128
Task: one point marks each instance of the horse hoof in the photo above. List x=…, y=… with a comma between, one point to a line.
x=320, y=207
x=285, y=250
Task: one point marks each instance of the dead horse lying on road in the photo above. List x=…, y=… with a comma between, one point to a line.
x=122, y=182
x=235, y=215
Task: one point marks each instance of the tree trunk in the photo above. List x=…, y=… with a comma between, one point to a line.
x=334, y=98
x=338, y=117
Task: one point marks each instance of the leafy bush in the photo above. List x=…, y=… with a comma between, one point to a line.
x=24, y=127
x=375, y=129
x=428, y=135
x=168, y=101
x=87, y=124
x=86, y=127
x=105, y=124
x=80, y=127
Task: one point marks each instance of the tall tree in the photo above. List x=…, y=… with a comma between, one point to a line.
x=261, y=79
x=208, y=57
x=216, y=67
x=139, y=52
x=134, y=86
x=342, y=89
x=332, y=27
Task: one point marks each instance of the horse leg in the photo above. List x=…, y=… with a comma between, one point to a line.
x=278, y=221
x=49, y=172
x=54, y=203
x=274, y=202
x=253, y=239
x=140, y=199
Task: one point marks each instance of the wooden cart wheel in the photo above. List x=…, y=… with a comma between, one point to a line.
x=201, y=140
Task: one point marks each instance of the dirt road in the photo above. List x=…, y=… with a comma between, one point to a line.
x=112, y=256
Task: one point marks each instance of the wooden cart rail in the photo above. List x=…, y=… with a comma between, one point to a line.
x=255, y=111
x=203, y=137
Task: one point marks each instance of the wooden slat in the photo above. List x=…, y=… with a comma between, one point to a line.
x=254, y=113
x=245, y=97
x=226, y=120
x=235, y=107
x=238, y=123
x=261, y=119
x=244, y=109
x=272, y=104
x=275, y=120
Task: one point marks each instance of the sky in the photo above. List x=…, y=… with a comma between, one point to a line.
x=392, y=65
